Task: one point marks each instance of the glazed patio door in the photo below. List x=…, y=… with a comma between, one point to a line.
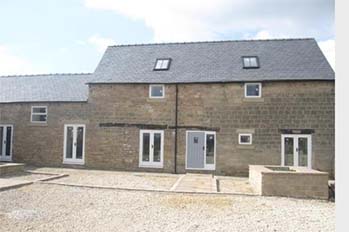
x=151, y=148
x=74, y=144
x=296, y=150
x=6, y=137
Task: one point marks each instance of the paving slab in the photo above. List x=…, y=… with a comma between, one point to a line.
x=196, y=183
x=10, y=183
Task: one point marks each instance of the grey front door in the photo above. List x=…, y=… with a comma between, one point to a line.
x=196, y=150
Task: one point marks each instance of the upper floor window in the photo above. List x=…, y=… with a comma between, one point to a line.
x=39, y=114
x=156, y=91
x=250, y=62
x=253, y=90
x=162, y=64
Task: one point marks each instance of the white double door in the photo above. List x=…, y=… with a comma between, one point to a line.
x=296, y=150
x=74, y=144
x=6, y=137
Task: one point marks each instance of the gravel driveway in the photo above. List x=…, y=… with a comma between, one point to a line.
x=42, y=207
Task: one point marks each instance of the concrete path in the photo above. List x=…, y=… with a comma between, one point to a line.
x=195, y=183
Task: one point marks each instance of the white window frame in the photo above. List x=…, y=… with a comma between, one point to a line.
x=210, y=167
x=32, y=113
x=260, y=90
x=295, y=148
x=73, y=160
x=151, y=163
x=245, y=134
x=2, y=153
x=156, y=97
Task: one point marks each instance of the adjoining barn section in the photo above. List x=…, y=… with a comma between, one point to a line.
x=208, y=107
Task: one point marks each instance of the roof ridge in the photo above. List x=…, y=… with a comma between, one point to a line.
x=45, y=74
x=212, y=41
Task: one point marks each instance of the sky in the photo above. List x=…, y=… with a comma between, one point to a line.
x=70, y=36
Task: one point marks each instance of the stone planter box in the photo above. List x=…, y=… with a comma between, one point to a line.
x=10, y=168
x=301, y=182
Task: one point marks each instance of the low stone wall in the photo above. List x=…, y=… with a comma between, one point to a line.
x=10, y=168
x=297, y=182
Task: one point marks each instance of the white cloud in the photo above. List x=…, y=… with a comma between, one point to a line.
x=101, y=43
x=183, y=20
x=11, y=64
x=328, y=48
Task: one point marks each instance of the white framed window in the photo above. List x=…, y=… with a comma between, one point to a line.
x=38, y=114
x=162, y=64
x=245, y=139
x=151, y=148
x=156, y=91
x=253, y=90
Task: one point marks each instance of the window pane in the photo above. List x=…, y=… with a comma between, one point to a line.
x=8, y=141
x=39, y=118
x=253, y=62
x=156, y=91
x=245, y=139
x=252, y=90
x=303, y=151
x=289, y=143
x=210, y=149
x=79, y=142
x=69, y=143
x=146, y=141
x=39, y=109
x=157, y=147
x=164, y=64
x=158, y=64
x=246, y=62
x=1, y=138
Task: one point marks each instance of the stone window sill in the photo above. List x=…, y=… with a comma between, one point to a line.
x=38, y=124
x=246, y=147
x=253, y=99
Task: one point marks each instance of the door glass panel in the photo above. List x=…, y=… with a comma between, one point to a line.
x=69, y=143
x=157, y=147
x=303, y=151
x=1, y=139
x=8, y=141
x=210, y=149
x=289, y=152
x=146, y=141
x=79, y=142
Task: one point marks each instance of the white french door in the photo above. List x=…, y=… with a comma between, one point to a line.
x=296, y=150
x=151, y=148
x=74, y=144
x=6, y=139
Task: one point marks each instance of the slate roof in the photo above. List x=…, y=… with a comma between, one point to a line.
x=217, y=61
x=44, y=88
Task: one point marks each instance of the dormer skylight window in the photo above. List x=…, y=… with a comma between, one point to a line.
x=250, y=62
x=162, y=64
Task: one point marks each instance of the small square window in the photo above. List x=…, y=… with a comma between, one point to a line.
x=156, y=91
x=38, y=114
x=245, y=139
x=162, y=64
x=253, y=90
x=250, y=62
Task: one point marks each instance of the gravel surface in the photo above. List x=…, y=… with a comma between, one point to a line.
x=136, y=180
x=43, y=207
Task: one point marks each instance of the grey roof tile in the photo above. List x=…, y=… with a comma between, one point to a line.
x=44, y=88
x=215, y=61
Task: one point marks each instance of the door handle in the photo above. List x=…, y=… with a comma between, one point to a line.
x=203, y=147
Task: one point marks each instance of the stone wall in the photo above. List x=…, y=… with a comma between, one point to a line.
x=284, y=105
x=41, y=144
x=301, y=182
